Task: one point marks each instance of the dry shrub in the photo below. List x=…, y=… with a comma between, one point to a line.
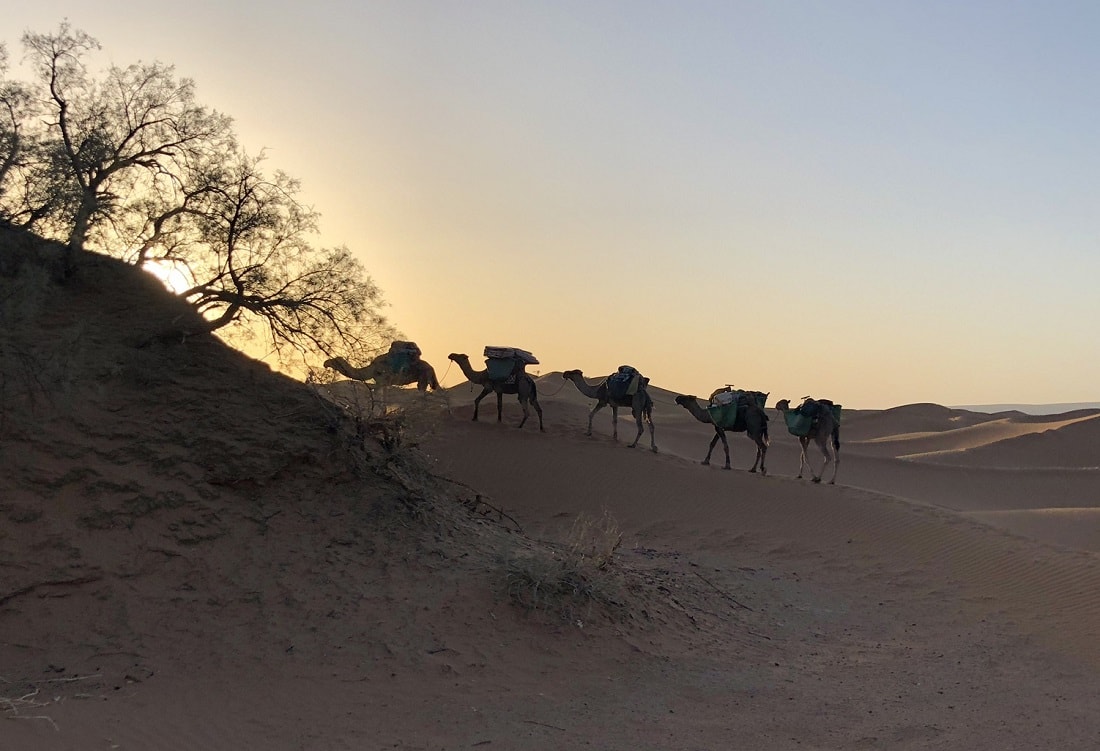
x=396, y=419
x=573, y=579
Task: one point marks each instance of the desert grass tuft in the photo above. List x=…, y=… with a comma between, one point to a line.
x=571, y=580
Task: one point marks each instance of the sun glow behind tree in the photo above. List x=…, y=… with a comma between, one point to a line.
x=128, y=163
x=174, y=275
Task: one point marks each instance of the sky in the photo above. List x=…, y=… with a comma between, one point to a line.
x=875, y=202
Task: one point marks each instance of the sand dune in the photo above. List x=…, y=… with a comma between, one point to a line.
x=948, y=444
x=197, y=552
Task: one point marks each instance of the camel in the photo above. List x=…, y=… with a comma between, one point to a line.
x=522, y=385
x=755, y=426
x=640, y=404
x=824, y=426
x=382, y=372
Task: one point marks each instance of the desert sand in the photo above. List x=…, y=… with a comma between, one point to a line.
x=199, y=553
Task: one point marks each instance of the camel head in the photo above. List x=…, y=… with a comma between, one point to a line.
x=332, y=362
x=685, y=399
x=568, y=374
x=456, y=357
x=783, y=405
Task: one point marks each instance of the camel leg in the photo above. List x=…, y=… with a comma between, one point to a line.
x=836, y=453
x=500, y=406
x=597, y=408
x=761, y=449
x=831, y=456
x=477, y=400
x=641, y=429
x=538, y=410
x=710, y=449
x=652, y=437
x=719, y=435
x=526, y=412
x=803, y=441
x=824, y=446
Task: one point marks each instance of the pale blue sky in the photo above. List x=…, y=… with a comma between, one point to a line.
x=875, y=202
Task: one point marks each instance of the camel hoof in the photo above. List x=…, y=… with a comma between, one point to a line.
x=753, y=470
x=726, y=469
x=705, y=462
x=654, y=449
x=817, y=479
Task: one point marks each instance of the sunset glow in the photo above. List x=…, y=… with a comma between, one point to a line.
x=879, y=207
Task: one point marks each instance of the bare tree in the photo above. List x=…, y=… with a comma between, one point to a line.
x=130, y=164
x=258, y=265
x=15, y=102
x=136, y=124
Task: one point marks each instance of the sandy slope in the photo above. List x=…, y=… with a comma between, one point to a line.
x=198, y=553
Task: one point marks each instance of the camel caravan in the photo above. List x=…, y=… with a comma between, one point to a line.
x=727, y=410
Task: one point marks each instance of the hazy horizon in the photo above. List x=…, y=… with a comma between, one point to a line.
x=881, y=204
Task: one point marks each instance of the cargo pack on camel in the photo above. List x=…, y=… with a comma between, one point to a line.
x=403, y=356
x=507, y=363
x=728, y=407
x=625, y=382
x=802, y=419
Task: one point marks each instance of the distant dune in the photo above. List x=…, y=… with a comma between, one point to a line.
x=1031, y=409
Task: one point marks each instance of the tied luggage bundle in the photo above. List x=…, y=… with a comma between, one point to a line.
x=727, y=407
x=505, y=363
x=801, y=420
x=625, y=382
x=403, y=355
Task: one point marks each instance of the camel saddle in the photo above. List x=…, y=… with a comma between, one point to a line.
x=801, y=421
x=625, y=382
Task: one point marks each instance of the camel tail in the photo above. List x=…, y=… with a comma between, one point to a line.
x=836, y=437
